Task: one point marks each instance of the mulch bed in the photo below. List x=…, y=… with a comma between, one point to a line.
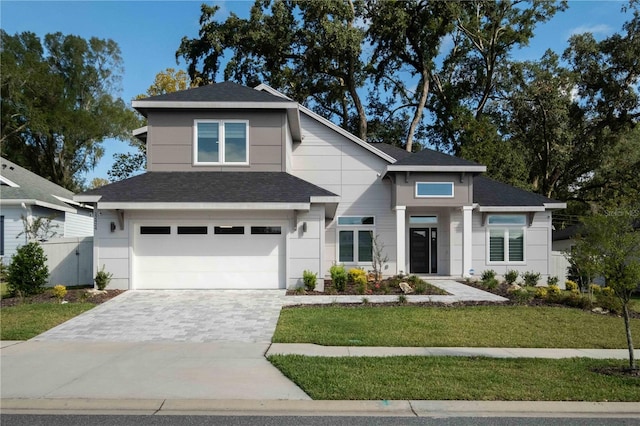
x=73, y=295
x=351, y=289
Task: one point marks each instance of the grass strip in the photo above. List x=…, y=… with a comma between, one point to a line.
x=477, y=326
x=453, y=378
x=25, y=321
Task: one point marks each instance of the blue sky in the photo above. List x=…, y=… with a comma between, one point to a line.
x=149, y=32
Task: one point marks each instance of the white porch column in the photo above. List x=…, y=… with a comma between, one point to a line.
x=401, y=235
x=467, y=248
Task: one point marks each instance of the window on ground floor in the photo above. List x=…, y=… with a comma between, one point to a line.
x=355, y=239
x=506, y=238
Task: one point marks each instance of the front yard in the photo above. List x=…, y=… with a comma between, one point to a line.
x=475, y=326
x=453, y=378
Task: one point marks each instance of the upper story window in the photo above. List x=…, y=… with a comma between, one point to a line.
x=221, y=142
x=434, y=189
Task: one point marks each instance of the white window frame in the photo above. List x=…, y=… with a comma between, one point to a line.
x=435, y=196
x=354, y=229
x=505, y=229
x=221, y=143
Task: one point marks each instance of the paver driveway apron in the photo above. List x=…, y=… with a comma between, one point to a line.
x=177, y=316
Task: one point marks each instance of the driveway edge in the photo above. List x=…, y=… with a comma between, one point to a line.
x=400, y=408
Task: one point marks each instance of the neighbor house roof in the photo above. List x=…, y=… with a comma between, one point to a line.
x=19, y=185
x=209, y=187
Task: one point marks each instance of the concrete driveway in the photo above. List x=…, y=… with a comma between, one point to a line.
x=155, y=344
x=196, y=316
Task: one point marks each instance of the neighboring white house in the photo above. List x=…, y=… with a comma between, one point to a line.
x=246, y=188
x=25, y=196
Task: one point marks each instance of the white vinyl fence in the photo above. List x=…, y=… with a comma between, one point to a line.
x=70, y=260
x=559, y=265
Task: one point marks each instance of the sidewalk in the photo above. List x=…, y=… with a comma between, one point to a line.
x=310, y=349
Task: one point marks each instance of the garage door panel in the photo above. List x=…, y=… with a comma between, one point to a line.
x=209, y=261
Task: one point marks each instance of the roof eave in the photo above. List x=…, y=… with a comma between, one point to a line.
x=144, y=105
x=509, y=209
x=125, y=205
x=87, y=198
x=33, y=202
x=452, y=169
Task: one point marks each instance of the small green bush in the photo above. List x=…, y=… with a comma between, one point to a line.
x=531, y=278
x=27, y=273
x=361, y=283
x=488, y=274
x=309, y=278
x=491, y=283
x=552, y=280
x=103, y=278
x=511, y=276
x=402, y=299
x=607, y=299
x=522, y=295
x=595, y=288
x=570, y=285
x=420, y=287
x=339, y=277
x=59, y=292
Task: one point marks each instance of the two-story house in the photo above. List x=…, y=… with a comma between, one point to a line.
x=246, y=188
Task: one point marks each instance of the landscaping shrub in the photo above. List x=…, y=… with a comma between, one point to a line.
x=339, y=277
x=491, y=283
x=309, y=278
x=607, y=299
x=552, y=280
x=355, y=273
x=59, y=292
x=361, y=283
x=420, y=287
x=522, y=295
x=541, y=292
x=571, y=285
x=27, y=273
x=531, y=278
x=595, y=288
x=553, y=290
x=488, y=274
x=511, y=276
x=102, y=278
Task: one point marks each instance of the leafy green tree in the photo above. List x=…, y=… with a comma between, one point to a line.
x=27, y=273
x=98, y=182
x=59, y=103
x=614, y=248
x=311, y=51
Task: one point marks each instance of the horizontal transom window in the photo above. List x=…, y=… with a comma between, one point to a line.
x=507, y=219
x=228, y=230
x=266, y=230
x=420, y=220
x=155, y=230
x=355, y=220
x=434, y=189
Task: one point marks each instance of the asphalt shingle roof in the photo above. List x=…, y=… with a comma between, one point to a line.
x=218, y=92
x=211, y=187
x=393, y=151
x=489, y=192
x=429, y=157
x=31, y=186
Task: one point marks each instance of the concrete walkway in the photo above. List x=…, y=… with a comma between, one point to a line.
x=457, y=293
x=310, y=349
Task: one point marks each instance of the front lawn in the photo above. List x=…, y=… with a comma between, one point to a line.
x=22, y=322
x=476, y=326
x=452, y=378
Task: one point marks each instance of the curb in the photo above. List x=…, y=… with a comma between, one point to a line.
x=400, y=408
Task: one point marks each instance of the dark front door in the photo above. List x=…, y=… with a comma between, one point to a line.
x=423, y=250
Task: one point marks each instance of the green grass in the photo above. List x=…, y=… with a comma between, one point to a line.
x=4, y=290
x=25, y=321
x=446, y=378
x=478, y=326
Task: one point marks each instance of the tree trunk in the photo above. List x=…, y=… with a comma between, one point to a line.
x=418, y=114
x=627, y=326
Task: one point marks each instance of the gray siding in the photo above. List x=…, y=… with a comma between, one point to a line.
x=12, y=227
x=170, y=140
x=305, y=248
x=331, y=161
x=405, y=189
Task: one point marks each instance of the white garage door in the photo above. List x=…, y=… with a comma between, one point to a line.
x=209, y=256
